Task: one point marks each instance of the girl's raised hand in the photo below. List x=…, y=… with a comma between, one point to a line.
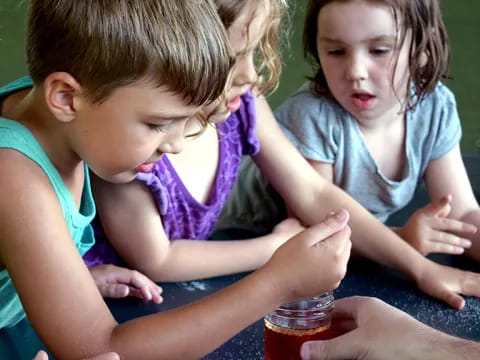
x=429, y=230
x=314, y=261
x=118, y=282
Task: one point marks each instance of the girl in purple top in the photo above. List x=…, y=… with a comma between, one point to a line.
x=152, y=222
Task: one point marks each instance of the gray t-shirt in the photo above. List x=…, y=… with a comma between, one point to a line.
x=323, y=131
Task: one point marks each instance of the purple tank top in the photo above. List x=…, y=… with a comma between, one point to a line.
x=183, y=217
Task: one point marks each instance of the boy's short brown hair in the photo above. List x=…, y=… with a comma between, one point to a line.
x=107, y=44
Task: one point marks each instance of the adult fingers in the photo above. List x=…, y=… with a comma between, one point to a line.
x=347, y=346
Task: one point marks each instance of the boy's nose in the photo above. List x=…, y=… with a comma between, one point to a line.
x=174, y=142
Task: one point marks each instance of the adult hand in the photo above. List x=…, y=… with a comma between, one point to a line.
x=42, y=355
x=117, y=282
x=429, y=230
x=378, y=331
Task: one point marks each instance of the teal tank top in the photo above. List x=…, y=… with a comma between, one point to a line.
x=14, y=135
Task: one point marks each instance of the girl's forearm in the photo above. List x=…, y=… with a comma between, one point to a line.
x=192, y=259
x=370, y=238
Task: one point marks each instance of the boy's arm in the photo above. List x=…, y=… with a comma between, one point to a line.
x=310, y=197
x=447, y=175
x=67, y=311
x=134, y=227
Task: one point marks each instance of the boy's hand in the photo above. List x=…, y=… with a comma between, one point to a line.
x=429, y=230
x=446, y=283
x=42, y=355
x=285, y=230
x=118, y=282
x=314, y=261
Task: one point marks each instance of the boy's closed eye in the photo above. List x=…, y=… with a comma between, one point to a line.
x=161, y=124
x=161, y=127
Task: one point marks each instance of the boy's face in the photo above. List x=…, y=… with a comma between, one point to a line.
x=129, y=131
x=357, y=44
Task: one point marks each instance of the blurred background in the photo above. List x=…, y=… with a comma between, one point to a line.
x=461, y=18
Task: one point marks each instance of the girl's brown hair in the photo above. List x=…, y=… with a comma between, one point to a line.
x=268, y=61
x=429, y=52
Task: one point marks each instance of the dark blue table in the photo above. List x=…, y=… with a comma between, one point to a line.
x=363, y=278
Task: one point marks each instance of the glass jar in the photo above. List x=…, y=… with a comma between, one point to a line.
x=290, y=325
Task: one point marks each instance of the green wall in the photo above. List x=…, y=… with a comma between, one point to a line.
x=461, y=18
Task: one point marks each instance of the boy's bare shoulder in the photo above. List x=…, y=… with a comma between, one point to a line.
x=21, y=177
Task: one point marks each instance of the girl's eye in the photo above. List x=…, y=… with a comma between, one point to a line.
x=380, y=51
x=335, y=52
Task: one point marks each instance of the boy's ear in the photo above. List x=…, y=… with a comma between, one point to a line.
x=63, y=95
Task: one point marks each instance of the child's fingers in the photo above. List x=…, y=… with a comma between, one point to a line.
x=139, y=280
x=144, y=288
x=470, y=283
x=454, y=300
x=442, y=248
x=328, y=227
x=41, y=355
x=106, y=356
x=341, y=244
x=146, y=294
x=451, y=239
x=452, y=225
x=439, y=208
x=114, y=290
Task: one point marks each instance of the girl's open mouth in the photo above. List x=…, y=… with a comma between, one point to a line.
x=363, y=100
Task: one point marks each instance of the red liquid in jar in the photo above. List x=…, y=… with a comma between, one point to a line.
x=284, y=344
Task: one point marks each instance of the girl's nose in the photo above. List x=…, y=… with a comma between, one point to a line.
x=357, y=69
x=245, y=72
